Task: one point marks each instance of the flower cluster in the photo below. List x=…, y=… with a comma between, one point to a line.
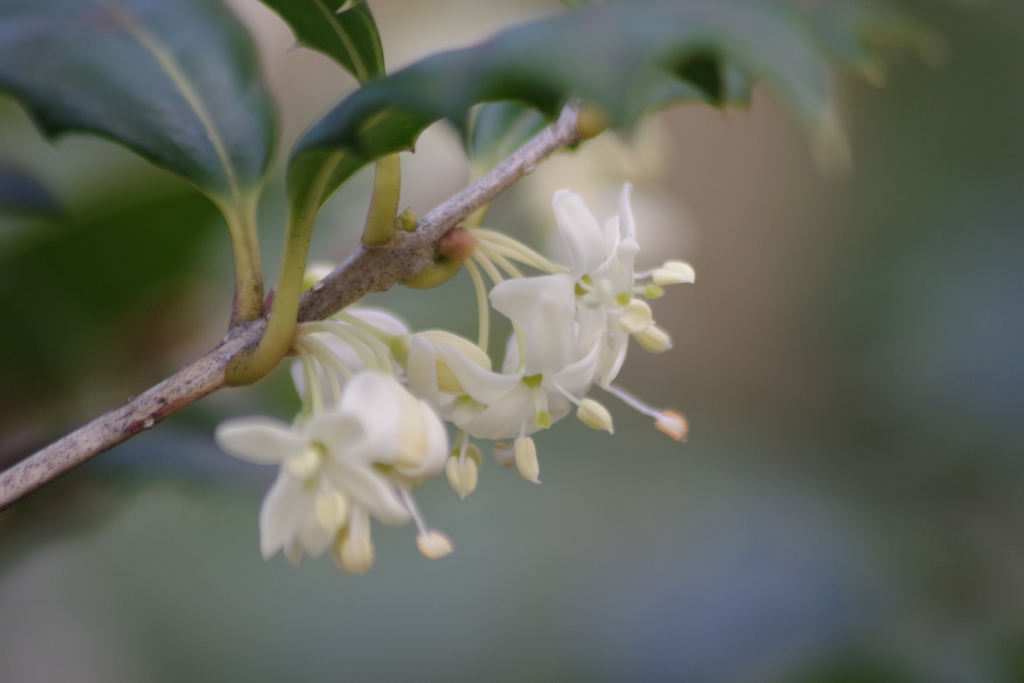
x=376, y=395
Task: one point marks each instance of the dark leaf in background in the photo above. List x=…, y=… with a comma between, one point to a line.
x=627, y=58
x=177, y=82
x=21, y=193
x=344, y=30
x=497, y=129
x=70, y=290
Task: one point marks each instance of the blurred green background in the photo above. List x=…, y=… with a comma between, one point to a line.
x=849, y=507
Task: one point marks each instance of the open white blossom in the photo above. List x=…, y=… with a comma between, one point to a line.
x=340, y=467
x=526, y=396
x=600, y=289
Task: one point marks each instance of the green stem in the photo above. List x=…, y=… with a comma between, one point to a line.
x=241, y=219
x=387, y=190
x=254, y=363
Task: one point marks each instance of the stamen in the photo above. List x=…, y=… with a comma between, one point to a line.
x=532, y=258
x=633, y=402
x=370, y=356
x=414, y=511
x=328, y=362
x=325, y=356
x=373, y=330
x=482, y=305
x=501, y=261
x=488, y=267
x=313, y=394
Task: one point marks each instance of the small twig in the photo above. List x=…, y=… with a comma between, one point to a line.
x=369, y=269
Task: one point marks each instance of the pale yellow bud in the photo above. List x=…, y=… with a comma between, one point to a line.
x=526, y=459
x=353, y=555
x=434, y=545
x=446, y=382
x=674, y=424
x=655, y=339
x=331, y=510
x=595, y=415
x=463, y=475
x=636, y=318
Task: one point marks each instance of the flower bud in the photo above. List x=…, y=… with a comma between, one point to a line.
x=458, y=244
x=463, y=475
x=434, y=545
x=595, y=415
x=353, y=555
x=446, y=381
x=526, y=459
x=672, y=423
x=674, y=273
x=636, y=318
x=655, y=339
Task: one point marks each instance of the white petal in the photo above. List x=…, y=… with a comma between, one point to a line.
x=367, y=488
x=482, y=385
x=517, y=299
x=446, y=381
x=580, y=231
x=577, y=378
x=550, y=336
x=510, y=366
x=421, y=370
x=286, y=507
x=435, y=446
x=505, y=417
x=613, y=355
x=626, y=221
x=374, y=400
x=337, y=432
x=261, y=440
x=612, y=235
x=315, y=539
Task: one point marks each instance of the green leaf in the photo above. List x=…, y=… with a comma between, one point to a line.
x=20, y=193
x=628, y=58
x=176, y=81
x=497, y=129
x=344, y=30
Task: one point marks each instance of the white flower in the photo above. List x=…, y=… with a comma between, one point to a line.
x=599, y=290
x=340, y=466
x=521, y=400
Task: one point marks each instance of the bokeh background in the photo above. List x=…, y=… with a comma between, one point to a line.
x=849, y=507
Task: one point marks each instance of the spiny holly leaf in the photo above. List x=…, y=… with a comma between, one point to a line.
x=344, y=30
x=177, y=82
x=627, y=58
x=497, y=129
x=853, y=33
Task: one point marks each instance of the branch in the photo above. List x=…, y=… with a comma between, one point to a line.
x=369, y=269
